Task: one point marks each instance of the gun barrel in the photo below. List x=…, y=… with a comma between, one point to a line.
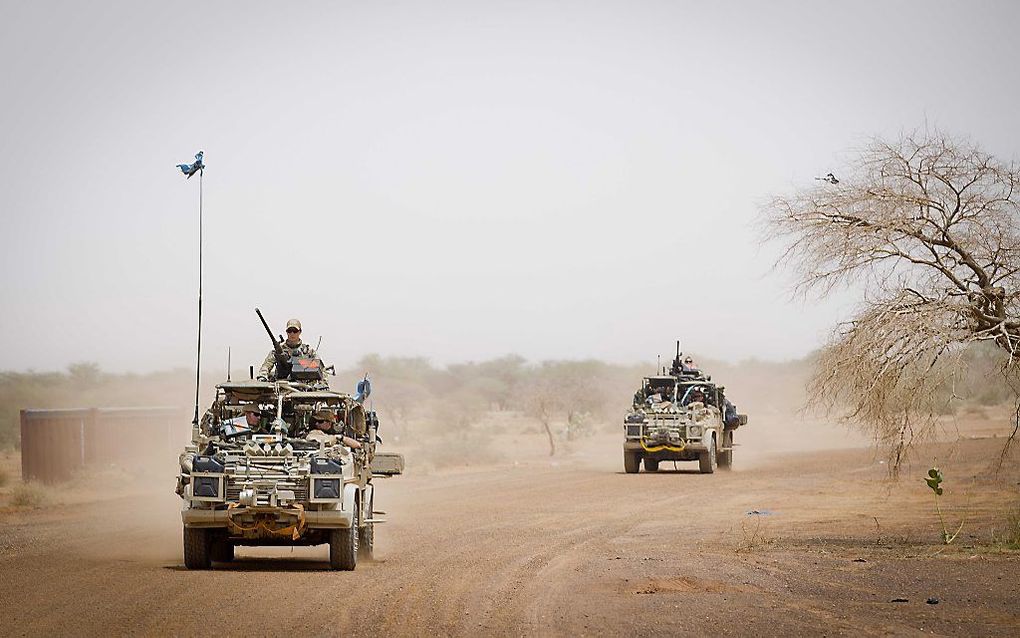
x=265, y=324
x=269, y=331
x=282, y=363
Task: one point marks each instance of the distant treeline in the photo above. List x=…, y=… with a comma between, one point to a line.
x=416, y=397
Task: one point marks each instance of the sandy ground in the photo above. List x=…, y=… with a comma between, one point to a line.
x=570, y=546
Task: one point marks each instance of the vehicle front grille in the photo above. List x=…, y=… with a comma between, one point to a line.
x=263, y=478
x=300, y=490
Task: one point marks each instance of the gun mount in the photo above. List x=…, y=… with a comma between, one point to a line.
x=283, y=367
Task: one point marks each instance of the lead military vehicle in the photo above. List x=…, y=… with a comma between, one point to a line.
x=283, y=462
x=680, y=416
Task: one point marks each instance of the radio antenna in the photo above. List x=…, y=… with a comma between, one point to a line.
x=228, y=364
x=198, y=166
x=198, y=354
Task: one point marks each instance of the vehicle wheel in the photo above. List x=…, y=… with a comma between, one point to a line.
x=651, y=465
x=726, y=458
x=221, y=551
x=366, y=535
x=196, y=548
x=343, y=546
x=631, y=461
x=707, y=459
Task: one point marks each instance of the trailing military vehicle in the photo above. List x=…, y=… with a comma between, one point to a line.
x=283, y=462
x=680, y=416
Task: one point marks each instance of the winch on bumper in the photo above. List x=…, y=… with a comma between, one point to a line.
x=666, y=435
x=267, y=522
x=648, y=446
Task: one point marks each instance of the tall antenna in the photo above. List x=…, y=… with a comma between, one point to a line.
x=228, y=364
x=198, y=363
x=198, y=166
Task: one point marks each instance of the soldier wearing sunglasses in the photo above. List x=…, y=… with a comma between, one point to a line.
x=293, y=345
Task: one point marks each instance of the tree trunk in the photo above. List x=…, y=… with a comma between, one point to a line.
x=548, y=432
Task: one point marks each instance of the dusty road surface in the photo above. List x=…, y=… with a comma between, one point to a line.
x=574, y=547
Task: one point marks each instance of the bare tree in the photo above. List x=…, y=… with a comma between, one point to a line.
x=929, y=227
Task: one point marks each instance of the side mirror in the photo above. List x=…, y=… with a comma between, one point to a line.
x=743, y=419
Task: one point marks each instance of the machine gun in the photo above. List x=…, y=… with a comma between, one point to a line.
x=282, y=360
x=678, y=366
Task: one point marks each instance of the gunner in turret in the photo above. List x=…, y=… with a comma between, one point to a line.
x=292, y=345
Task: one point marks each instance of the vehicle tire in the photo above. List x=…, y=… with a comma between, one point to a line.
x=631, y=461
x=343, y=546
x=366, y=535
x=707, y=459
x=651, y=465
x=726, y=458
x=197, y=545
x=221, y=551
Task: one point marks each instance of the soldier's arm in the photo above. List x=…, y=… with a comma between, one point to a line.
x=267, y=365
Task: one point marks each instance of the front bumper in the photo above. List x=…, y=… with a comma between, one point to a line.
x=244, y=517
x=687, y=446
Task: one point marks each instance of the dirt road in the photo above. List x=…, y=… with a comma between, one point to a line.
x=575, y=547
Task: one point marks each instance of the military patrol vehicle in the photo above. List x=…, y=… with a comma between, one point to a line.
x=283, y=462
x=680, y=416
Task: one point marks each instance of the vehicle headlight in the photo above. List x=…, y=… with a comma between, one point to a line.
x=694, y=431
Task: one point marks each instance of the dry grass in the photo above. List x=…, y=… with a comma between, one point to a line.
x=755, y=535
x=3, y=477
x=1009, y=538
x=29, y=495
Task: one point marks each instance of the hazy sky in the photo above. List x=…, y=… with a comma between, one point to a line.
x=457, y=180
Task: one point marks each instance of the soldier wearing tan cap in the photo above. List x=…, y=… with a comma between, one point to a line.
x=292, y=346
x=323, y=421
x=252, y=415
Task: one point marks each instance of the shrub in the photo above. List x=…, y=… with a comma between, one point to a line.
x=1010, y=538
x=29, y=495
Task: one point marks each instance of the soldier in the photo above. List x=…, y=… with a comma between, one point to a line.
x=252, y=416
x=293, y=345
x=730, y=416
x=696, y=396
x=322, y=424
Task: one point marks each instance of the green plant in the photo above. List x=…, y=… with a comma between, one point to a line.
x=934, y=481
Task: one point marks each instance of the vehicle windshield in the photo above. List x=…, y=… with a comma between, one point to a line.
x=686, y=393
